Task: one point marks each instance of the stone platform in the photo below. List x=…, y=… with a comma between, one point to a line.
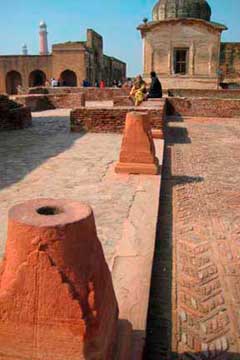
x=47, y=160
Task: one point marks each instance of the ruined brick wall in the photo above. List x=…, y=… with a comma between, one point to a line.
x=109, y=119
x=122, y=101
x=230, y=61
x=69, y=56
x=107, y=94
x=40, y=102
x=83, y=59
x=203, y=107
x=113, y=69
x=91, y=93
x=220, y=94
x=13, y=116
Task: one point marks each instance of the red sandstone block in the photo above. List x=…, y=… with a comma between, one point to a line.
x=137, y=154
x=56, y=296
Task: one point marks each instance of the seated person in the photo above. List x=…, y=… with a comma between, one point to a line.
x=155, y=90
x=138, y=90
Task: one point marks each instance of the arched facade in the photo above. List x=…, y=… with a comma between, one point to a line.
x=68, y=78
x=13, y=80
x=37, y=78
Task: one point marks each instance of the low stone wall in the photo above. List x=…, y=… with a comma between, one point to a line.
x=110, y=119
x=203, y=107
x=200, y=93
x=13, y=116
x=40, y=102
x=91, y=93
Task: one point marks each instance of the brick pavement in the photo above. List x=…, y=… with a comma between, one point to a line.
x=195, y=299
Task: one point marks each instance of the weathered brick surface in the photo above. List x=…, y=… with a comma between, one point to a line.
x=203, y=107
x=109, y=119
x=122, y=101
x=194, y=312
x=206, y=93
x=12, y=115
x=40, y=102
x=91, y=93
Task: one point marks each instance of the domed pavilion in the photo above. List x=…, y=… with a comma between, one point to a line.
x=182, y=44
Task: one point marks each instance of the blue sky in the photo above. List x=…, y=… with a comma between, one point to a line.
x=116, y=20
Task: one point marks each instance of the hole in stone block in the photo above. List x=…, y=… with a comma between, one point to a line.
x=49, y=210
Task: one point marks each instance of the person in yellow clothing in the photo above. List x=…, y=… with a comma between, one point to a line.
x=138, y=90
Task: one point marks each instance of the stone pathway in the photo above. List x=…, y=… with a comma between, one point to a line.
x=47, y=160
x=195, y=298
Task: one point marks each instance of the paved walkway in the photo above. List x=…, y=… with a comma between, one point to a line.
x=195, y=299
x=47, y=160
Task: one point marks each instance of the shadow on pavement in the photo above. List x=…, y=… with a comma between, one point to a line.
x=21, y=151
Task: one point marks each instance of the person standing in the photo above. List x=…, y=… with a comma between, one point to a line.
x=155, y=90
x=54, y=82
x=102, y=84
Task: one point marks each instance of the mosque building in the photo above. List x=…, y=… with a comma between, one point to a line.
x=71, y=63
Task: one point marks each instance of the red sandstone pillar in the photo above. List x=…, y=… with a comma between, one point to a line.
x=137, y=154
x=56, y=296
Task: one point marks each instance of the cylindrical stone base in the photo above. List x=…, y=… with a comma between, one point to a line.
x=56, y=296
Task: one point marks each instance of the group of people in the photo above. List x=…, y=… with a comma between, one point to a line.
x=55, y=83
x=139, y=89
x=102, y=84
x=141, y=92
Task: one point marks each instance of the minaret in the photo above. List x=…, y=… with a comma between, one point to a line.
x=43, y=38
x=24, y=49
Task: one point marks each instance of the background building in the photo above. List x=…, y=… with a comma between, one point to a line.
x=184, y=47
x=70, y=62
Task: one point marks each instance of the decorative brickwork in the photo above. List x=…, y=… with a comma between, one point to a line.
x=56, y=294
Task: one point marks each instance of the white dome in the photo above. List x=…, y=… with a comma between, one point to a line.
x=43, y=24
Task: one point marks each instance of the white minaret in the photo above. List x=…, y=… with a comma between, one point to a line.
x=24, y=49
x=43, y=38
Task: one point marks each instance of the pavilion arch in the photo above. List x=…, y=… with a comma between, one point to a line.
x=68, y=78
x=13, y=80
x=37, y=78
